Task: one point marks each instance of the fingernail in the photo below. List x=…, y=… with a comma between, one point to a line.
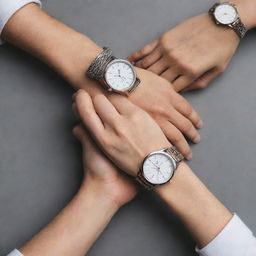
x=200, y=124
x=197, y=139
x=189, y=157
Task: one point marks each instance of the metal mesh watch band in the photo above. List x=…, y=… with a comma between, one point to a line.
x=97, y=67
x=239, y=28
x=174, y=153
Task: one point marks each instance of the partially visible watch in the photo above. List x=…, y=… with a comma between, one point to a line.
x=226, y=14
x=114, y=74
x=159, y=167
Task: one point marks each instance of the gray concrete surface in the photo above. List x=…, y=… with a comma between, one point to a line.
x=40, y=162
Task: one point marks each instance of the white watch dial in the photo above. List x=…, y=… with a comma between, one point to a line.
x=158, y=168
x=120, y=75
x=225, y=14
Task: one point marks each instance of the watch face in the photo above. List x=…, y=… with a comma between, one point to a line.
x=225, y=14
x=120, y=75
x=158, y=168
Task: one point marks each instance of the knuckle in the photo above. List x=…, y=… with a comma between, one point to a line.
x=145, y=62
x=191, y=70
x=173, y=55
x=186, y=126
x=164, y=40
x=222, y=68
x=188, y=109
x=105, y=141
x=143, y=50
x=202, y=84
x=161, y=111
x=177, y=137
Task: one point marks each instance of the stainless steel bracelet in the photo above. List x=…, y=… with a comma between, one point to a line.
x=175, y=154
x=97, y=67
x=239, y=28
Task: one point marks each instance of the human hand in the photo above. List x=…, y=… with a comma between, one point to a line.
x=100, y=173
x=170, y=110
x=126, y=133
x=191, y=54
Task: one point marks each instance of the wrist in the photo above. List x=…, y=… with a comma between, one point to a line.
x=192, y=202
x=98, y=193
x=247, y=11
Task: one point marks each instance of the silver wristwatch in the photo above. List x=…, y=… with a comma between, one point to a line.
x=159, y=167
x=226, y=14
x=114, y=74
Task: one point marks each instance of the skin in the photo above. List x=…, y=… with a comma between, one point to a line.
x=127, y=134
x=104, y=190
x=196, y=51
x=32, y=30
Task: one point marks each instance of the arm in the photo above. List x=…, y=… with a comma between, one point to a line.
x=75, y=229
x=134, y=135
x=103, y=191
x=70, y=54
x=196, y=51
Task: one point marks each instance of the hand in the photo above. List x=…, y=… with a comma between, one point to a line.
x=169, y=109
x=191, y=54
x=101, y=175
x=123, y=131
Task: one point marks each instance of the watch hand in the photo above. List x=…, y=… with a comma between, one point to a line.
x=153, y=164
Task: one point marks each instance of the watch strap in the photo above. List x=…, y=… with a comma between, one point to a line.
x=175, y=154
x=239, y=28
x=97, y=67
x=140, y=178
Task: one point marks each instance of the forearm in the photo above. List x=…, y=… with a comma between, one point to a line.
x=197, y=207
x=75, y=229
x=68, y=52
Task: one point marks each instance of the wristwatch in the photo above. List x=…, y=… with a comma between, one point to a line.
x=159, y=167
x=226, y=14
x=114, y=74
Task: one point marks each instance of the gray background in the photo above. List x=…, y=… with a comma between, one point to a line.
x=40, y=161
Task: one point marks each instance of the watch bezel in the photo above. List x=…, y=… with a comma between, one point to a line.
x=132, y=68
x=157, y=153
x=225, y=3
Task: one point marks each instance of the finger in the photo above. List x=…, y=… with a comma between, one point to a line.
x=171, y=73
x=150, y=59
x=185, y=126
x=123, y=105
x=204, y=80
x=74, y=96
x=83, y=136
x=88, y=114
x=177, y=139
x=185, y=108
x=75, y=111
x=182, y=82
x=159, y=66
x=105, y=109
x=144, y=51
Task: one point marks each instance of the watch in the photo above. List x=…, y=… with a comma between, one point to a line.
x=226, y=14
x=159, y=167
x=114, y=74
